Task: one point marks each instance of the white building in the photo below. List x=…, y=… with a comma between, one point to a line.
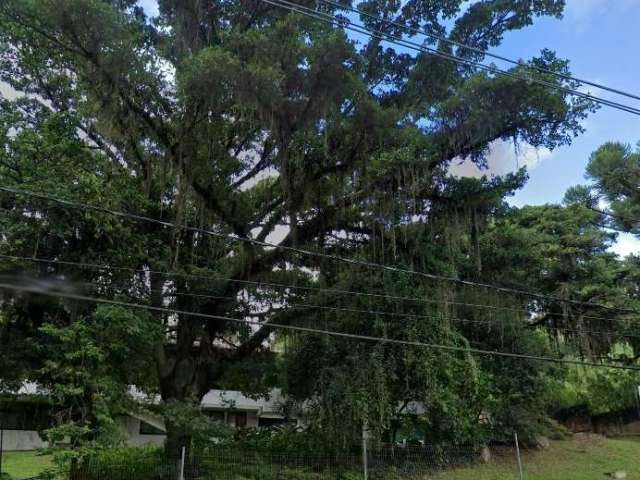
x=27, y=413
x=21, y=417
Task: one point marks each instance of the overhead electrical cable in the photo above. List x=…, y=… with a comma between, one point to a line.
x=295, y=328
x=349, y=25
x=126, y=290
x=495, y=323
x=301, y=251
x=351, y=293
x=480, y=51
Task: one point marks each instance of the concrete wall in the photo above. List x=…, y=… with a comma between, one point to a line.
x=22, y=440
x=130, y=426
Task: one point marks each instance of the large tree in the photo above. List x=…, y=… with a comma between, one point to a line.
x=614, y=169
x=614, y=173
x=250, y=121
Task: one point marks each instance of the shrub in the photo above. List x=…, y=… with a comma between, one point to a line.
x=125, y=463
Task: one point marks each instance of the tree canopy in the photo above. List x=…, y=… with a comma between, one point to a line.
x=248, y=121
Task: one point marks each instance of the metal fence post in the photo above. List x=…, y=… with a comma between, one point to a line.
x=1, y=439
x=182, y=458
x=515, y=435
x=365, y=456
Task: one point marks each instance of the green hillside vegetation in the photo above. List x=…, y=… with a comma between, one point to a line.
x=564, y=460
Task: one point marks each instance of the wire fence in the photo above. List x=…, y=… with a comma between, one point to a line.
x=383, y=464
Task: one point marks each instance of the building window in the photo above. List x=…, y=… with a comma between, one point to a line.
x=148, y=429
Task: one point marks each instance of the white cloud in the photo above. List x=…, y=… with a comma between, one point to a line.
x=584, y=14
x=503, y=158
x=626, y=244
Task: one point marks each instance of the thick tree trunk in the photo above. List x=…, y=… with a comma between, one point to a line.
x=181, y=394
x=177, y=438
x=185, y=380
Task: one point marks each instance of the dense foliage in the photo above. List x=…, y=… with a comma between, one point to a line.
x=245, y=120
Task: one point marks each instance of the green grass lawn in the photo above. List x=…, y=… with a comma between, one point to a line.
x=566, y=460
x=25, y=464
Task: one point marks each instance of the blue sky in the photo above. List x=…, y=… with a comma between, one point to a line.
x=600, y=37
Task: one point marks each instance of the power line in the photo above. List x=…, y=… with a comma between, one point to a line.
x=419, y=31
x=488, y=322
x=324, y=307
x=258, y=283
x=295, y=328
x=274, y=285
x=308, y=306
x=305, y=306
x=348, y=25
x=336, y=258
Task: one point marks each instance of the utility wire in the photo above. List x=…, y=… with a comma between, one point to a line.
x=322, y=290
x=258, y=283
x=417, y=316
x=301, y=251
x=419, y=31
x=349, y=25
x=126, y=290
x=295, y=328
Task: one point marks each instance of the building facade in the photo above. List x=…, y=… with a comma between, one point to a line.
x=27, y=413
